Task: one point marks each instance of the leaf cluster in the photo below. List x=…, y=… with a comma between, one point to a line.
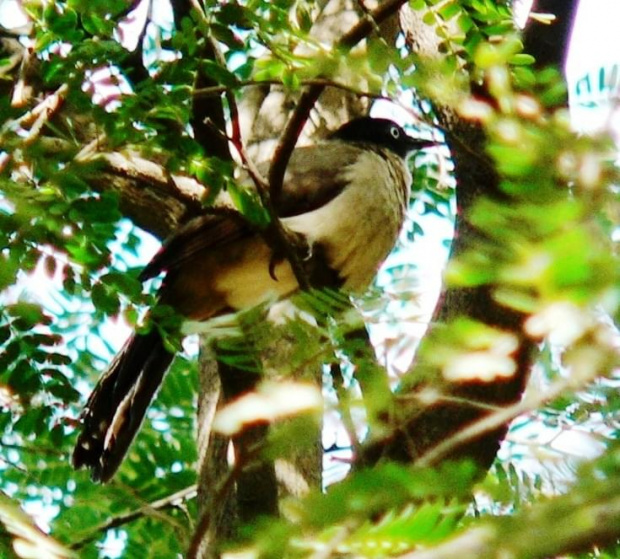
x=546, y=248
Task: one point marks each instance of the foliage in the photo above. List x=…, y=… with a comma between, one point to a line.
x=546, y=249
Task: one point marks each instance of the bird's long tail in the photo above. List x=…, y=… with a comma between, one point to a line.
x=118, y=404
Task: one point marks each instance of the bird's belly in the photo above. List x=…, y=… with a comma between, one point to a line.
x=356, y=232
x=358, y=266
x=233, y=277
x=251, y=283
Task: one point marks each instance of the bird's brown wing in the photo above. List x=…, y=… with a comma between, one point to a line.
x=325, y=163
x=300, y=194
x=198, y=234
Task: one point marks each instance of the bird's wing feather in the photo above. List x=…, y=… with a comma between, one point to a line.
x=300, y=193
x=202, y=232
x=117, y=405
x=325, y=162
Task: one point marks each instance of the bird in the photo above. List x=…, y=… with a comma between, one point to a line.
x=347, y=196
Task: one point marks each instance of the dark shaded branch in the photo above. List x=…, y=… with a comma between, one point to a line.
x=257, y=487
x=368, y=24
x=548, y=42
x=250, y=474
x=152, y=198
x=493, y=421
x=207, y=119
x=180, y=10
x=208, y=113
x=134, y=67
x=216, y=510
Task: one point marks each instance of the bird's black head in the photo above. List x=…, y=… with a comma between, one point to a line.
x=381, y=132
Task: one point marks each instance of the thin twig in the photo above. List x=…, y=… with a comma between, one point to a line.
x=367, y=14
x=36, y=117
x=198, y=12
x=219, y=89
x=432, y=397
x=366, y=25
x=236, y=139
x=33, y=450
x=344, y=398
x=122, y=519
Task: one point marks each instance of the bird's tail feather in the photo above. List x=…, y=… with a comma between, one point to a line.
x=118, y=404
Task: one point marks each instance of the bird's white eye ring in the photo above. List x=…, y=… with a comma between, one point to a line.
x=395, y=132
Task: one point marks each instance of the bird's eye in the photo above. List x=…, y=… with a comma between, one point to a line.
x=395, y=132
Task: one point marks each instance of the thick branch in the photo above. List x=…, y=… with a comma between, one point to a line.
x=548, y=42
x=428, y=425
x=152, y=198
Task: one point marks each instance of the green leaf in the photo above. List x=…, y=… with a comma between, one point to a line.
x=235, y=14
x=123, y=283
x=522, y=59
x=61, y=22
x=248, y=204
x=226, y=35
x=218, y=73
x=27, y=315
x=8, y=271
x=97, y=25
x=449, y=10
x=104, y=299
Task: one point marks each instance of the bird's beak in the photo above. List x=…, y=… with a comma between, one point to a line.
x=417, y=144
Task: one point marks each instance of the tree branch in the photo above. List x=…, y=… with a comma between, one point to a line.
x=36, y=119
x=216, y=90
x=207, y=113
x=492, y=422
x=144, y=186
x=428, y=426
x=115, y=522
x=207, y=524
x=548, y=42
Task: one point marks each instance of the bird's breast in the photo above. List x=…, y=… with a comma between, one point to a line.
x=360, y=226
